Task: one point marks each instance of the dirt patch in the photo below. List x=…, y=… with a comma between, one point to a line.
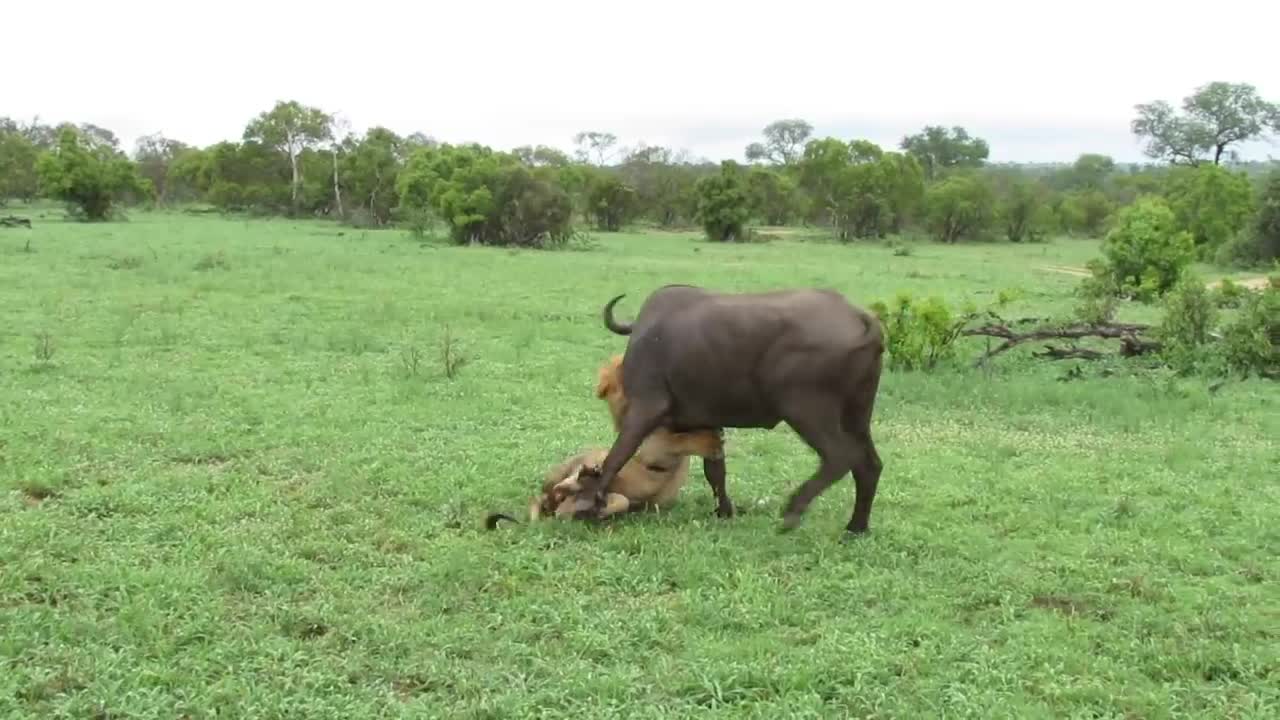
x=34, y=494
x=1069, y=606
x=1066, y=270
x=1253, y=283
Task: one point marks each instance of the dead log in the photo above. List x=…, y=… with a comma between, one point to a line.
x=15, y=221
x=1053, y=352
x=1126, y=333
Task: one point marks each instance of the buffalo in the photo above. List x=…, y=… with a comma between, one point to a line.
x=697, y=359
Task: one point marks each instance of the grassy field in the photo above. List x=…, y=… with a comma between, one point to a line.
x=235, y=480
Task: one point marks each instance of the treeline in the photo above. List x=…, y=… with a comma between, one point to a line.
x=301, y=161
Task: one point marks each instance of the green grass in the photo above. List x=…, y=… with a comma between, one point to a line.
x=234, y=478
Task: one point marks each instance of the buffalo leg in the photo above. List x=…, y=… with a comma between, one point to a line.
x=637, y=423
x=822, y=431
x=866, y=465
x=714, y=470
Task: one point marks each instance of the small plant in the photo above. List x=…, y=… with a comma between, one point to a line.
x=44, y=347
x=128, y=262
x=451, y=360
x=411, y=360
x=1229, y=294
x=921, y=334
x=213, y=261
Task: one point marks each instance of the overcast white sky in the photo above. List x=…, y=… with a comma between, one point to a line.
x=1039, y=81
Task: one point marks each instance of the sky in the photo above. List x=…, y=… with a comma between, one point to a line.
x=1039, y=81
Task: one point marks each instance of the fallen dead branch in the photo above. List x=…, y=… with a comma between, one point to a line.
x=1131, y=344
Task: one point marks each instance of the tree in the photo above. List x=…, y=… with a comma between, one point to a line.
x=290, y=127
x=1145, y=254
x=1084, y=212
x=1022, y=206
x=938, y=149
x=723, y=203
x=774, y=196
x=612, y=202
x=88, y=174
x=864, y=191
x=1210, y=202
x=155, y=155
x=18, y=156
x=1214, y=117
x=370, y=168
x=663, y=180
x=594, y=141
x=960, y=207
x=541, y=156
x=1259, y=243
x=784, y=142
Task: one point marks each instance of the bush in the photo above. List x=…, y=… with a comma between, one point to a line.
x=959, y=208
x=486, y=197
x=1145, y=254
x=1023, y=209
x=91, y=177
x=920, y=335
x=1251, y=341
x=1189, y=319
x=724, y=205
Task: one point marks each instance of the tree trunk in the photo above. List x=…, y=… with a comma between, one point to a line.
x=293, y=164
x=337, y=190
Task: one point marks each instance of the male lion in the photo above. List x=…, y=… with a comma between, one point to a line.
x=651, y=478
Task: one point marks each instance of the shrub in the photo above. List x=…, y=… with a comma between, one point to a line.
x=1251, y=341
x=1145, y=254
x=921, y=334
x=958, y=208
x=1084, y=212
x=1023, y=209
x=723, y=203
x=486, y=197
x=1189, y=319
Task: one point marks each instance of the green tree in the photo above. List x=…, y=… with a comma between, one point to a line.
x=775, y=197
x=724, y=204
x=784, y=142
x=940, y=149
x=1214, y=117
x=291, y=128
x=594, y=142
x=1210, y=202
x=91, y=176
x=1084, y=212
x=1022, y=206
x=1144, y=254
x=371, y=166
x=155, y=155
x=862, y=190
x=960, y=207
x=613, y=203
x=18, y=156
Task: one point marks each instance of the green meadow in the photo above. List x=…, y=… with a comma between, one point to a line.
x=244, y=465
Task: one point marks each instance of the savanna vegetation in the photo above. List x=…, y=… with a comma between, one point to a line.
x=256, y=397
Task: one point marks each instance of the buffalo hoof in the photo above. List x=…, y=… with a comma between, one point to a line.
x=790, y=522
x=853, y=535
x=725, y=511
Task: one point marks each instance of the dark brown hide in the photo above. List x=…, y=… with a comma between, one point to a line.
x=697, y=359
